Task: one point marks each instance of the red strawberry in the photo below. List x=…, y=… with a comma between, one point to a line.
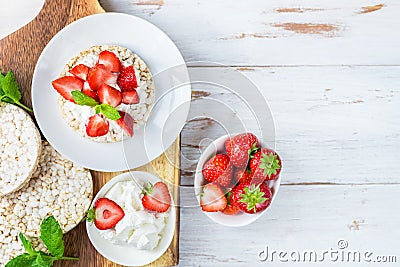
x=231, y=208
x=242, y=175
x=110, y=60
x=212, y=198
x=65, y=85
x=130, y=97
x=109, y=95
x=252, y=198
x=126, y=122
x=265, y=165
x=98, y=75
x=89, y=92
x=218, y=169
x=240, y=147
x=105, y=214
x=127, y=79
x=80, y=71
x=97, y=126
x=157, y=197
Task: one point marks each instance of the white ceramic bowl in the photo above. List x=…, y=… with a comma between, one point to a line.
x=242, y=218
x=125, y=255
x=172, y=95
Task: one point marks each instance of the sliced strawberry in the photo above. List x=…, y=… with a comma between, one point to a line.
x=109, y=95
x=156, y=197
x=97, y=126
x=130, y=97
x=110, y=60
x=127, y=79
x=80, y=71
x=105, y=214
x=98, y=75
x=212, y=198
x=89, y=92
x=65, y=85
x=126, y=122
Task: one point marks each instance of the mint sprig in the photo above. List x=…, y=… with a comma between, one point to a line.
x=109, y=111
x=52, y=237
x=9, y=90
x=84, y=100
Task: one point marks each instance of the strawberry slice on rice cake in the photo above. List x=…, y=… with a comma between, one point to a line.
x=106, y=92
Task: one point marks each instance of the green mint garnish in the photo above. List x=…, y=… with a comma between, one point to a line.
x=84, y=100
x=52, y=236
x=9, y=91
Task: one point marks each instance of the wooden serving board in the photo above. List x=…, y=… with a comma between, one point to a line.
x=19, y=52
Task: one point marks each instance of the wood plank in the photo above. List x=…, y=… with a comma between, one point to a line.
x=333, y=124
x=302, y=218
x=252, y=32
x=27, y=43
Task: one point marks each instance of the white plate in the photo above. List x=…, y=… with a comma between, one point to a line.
x=242, y=218
x=125, y=255
x=173, y=92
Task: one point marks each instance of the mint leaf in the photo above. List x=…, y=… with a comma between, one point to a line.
x=108, y=111
x=22, y=260
x=10, y=87
x=51, y=235
x=27, y=245
x=1, y=90
x=43, y=260
x=9, y=91
x=7, y=99
x=83, y=99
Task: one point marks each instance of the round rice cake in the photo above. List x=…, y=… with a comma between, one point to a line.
x=58, y=187
x=20, y=144
x=76, y=116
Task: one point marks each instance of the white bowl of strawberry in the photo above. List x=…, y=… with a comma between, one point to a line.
x=237, y=178
x=132, y=221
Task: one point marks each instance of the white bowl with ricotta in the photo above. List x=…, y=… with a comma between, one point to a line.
x=141, y=237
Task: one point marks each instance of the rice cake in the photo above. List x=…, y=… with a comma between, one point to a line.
x=76, y=116
x=58, y=187
x=20, y=144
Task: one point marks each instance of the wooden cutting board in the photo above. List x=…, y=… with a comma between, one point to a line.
x=19, y=52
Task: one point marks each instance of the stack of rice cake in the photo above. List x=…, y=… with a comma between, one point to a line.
x=35, y=182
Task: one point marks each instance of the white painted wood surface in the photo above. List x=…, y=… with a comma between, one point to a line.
x=331, y=73
x=285, y=32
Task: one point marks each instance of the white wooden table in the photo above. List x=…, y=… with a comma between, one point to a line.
x=330, y=71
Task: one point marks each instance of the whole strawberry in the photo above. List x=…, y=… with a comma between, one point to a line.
x=265, y=165
x=218, y=170
x=240, y=147
x=242, y=175
x=251, y=198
